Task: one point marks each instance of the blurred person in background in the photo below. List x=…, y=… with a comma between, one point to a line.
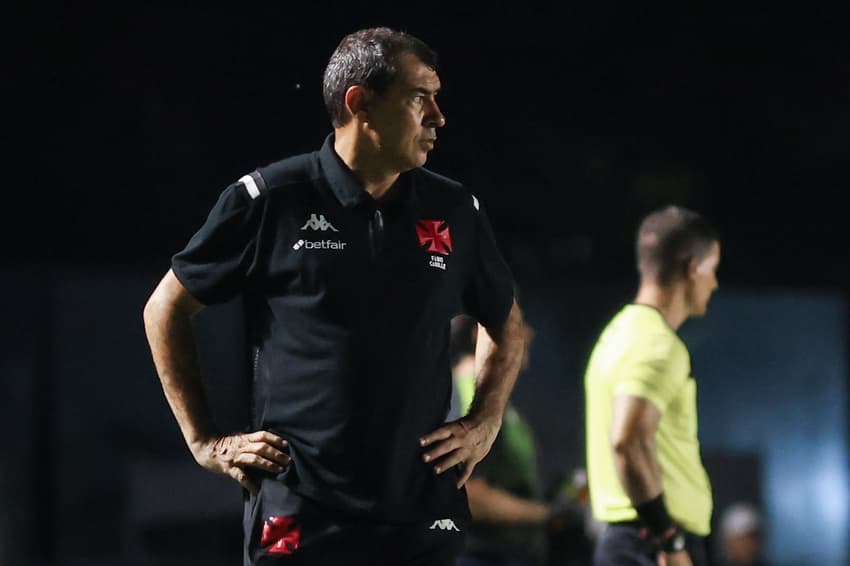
x=741, y=536
x=512, y=524
x=647, y=480
x=574, y=543
x=351, y=262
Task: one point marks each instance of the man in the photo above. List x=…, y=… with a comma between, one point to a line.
x=741, y=535
x=645, y=472
x=352, y=260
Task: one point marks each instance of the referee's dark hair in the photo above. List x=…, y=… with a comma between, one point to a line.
x=668, y=239
x=368, y=58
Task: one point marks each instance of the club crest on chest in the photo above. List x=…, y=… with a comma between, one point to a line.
x=435, y=238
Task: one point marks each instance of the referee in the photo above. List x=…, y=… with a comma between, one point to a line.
x=352, y=260
x=647, y=481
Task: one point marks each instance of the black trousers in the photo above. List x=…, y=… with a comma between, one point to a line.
x=282, y=528
x=622, y=545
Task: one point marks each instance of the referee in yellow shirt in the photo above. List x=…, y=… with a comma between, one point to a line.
x=644, y=467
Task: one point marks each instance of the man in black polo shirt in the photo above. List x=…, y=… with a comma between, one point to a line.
x=352, y=261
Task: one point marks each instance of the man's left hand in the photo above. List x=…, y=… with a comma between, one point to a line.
x=465, y=441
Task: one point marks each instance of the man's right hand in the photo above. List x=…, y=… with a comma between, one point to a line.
x=232, y=454
x=674, y=559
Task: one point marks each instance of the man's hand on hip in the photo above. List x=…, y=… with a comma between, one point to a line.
x=232, y=454
x=465, y=441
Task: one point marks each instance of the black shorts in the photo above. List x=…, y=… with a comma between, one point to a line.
x=621, y=544
x=284, y=528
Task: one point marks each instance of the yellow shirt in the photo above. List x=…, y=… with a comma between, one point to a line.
x=639, y=354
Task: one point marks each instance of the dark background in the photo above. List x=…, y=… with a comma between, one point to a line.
x=124, y=122
x=570, y=127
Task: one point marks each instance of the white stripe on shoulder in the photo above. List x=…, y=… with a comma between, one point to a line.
x=475, y=202
x=250, y=186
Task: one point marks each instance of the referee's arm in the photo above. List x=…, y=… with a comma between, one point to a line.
x=634, y=424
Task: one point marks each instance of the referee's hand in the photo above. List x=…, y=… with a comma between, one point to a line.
x=231, y=455
x=465, y=441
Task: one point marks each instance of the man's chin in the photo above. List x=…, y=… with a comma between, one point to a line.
x=408, y=164
x=419, y=160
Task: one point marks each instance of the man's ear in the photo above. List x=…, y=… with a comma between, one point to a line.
x=691, y=268
x=357, y=101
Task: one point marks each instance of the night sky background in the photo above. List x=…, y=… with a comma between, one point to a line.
x=124, y=122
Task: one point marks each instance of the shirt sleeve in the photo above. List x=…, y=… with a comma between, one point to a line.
x=489, y=290
x=219, y=258
x=651, y=373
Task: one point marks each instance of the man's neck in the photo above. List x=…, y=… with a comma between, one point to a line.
x=362, y=160
x=668, y=300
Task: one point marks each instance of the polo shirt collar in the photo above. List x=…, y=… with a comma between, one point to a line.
x=345, y=185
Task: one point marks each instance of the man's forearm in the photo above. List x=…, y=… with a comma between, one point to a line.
x=637, y=469
x=501, y=366
x=633, y=427
x=639, y=473
x=169, y=333
x=168, y=325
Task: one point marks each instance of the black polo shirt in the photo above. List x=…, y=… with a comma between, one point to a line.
x=349, y=303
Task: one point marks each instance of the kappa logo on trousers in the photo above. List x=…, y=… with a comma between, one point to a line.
x=444, y=525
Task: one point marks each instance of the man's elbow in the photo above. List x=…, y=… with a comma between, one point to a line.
x=154, y=310
x=170, y=300
x=163, y=304
x=515, y=333
x=527, y=335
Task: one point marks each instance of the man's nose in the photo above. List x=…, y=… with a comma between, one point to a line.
x=434, y=118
